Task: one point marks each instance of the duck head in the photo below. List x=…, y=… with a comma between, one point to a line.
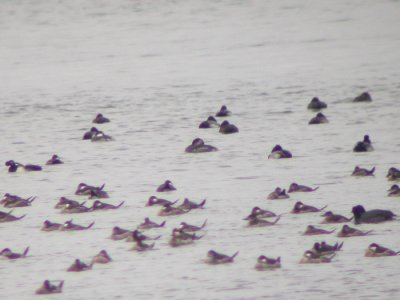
x=198, y=142
x=277, y=148
x=224, y=123
x=211, y=119
x=327, y=214
x=357, y=211
x=366, y=139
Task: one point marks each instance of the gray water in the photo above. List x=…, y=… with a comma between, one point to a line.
x=157, y=69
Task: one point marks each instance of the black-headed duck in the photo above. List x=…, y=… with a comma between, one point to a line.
x=153, y=200
x=84, y=189
x=136, y=235
x=100, y=119
x=393, y=174
x=69, y=226
x=89, y=134
x=192, y=228
x=50, y=226
x=394, y=191
x=362, y=172
x=278, y=194
x=331, y=218
x=316, y=104
x=198, y=146
x=98, y=205
x=8, y=254
x=310, y=257
x=148, y=224
x=300, y=208
x=102, y=258
x=55, y=160
x=180, y=237
x=187, y=204
x=256, y=222
x=167, y=186
x=79, y=266
x=371, y=216
x=223, y=112
x=318, y=119
x=325, y=249
x=49, y=288
x=348, y=231
x=16, y=201
x=15, y=166
x=141, y=246
x=119, y=233
x=63, y=201
x=215, y=258
x=312, y=230
x=364, y=97
x=364, y=146
x=8, y=217
x=209, y=123
x=73, y=209
x=265, y=263
x=294, y=187
x=227, y=128
x=278, y=152
x=375, y=250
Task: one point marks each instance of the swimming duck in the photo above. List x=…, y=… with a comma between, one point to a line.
x=223, y=112
x=153, y=200
x=167, y=186
x=316, y=104
x=148, y=224
x=330, y=218
x=227, y=128
x=215, y=258
x=100, y=119
x=300, y=208
x=69, y=226
x=55, y=160
x=140, y=246
x=17, y=201
x=277, y=153
x=192, y=228
x=48, y=288
x=393, y=174
x=100, y=136
x=256, y=222
x=260, y=213
x=7, y=253
x=15, y=166
x=278, y=194
x=101, y=258
x=312, y=230
x=75, y=209
x=62, y=202
x=98, y=205
x=294, y=187
x=318, y=119
x=84, y=189
x=187, y=204
x=180, y=238
x=169, y=210
x=371, y=216
x=374, y=250
x=98, y=194
x=120, y=233
x=8, y=217
x=14, y=198
x=136, y=235
x=364, y=146
x=265, y=263
x=88, y=135
x=310, y=257
x=209, y=123
x=198, y=146
x=79, y=266
x=326, y=249
x=394, y=191
x=363, y=172
x=348, y=231
x=364, y=97
x=50, y=226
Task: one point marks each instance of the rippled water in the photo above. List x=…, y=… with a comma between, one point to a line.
x=157, y=69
